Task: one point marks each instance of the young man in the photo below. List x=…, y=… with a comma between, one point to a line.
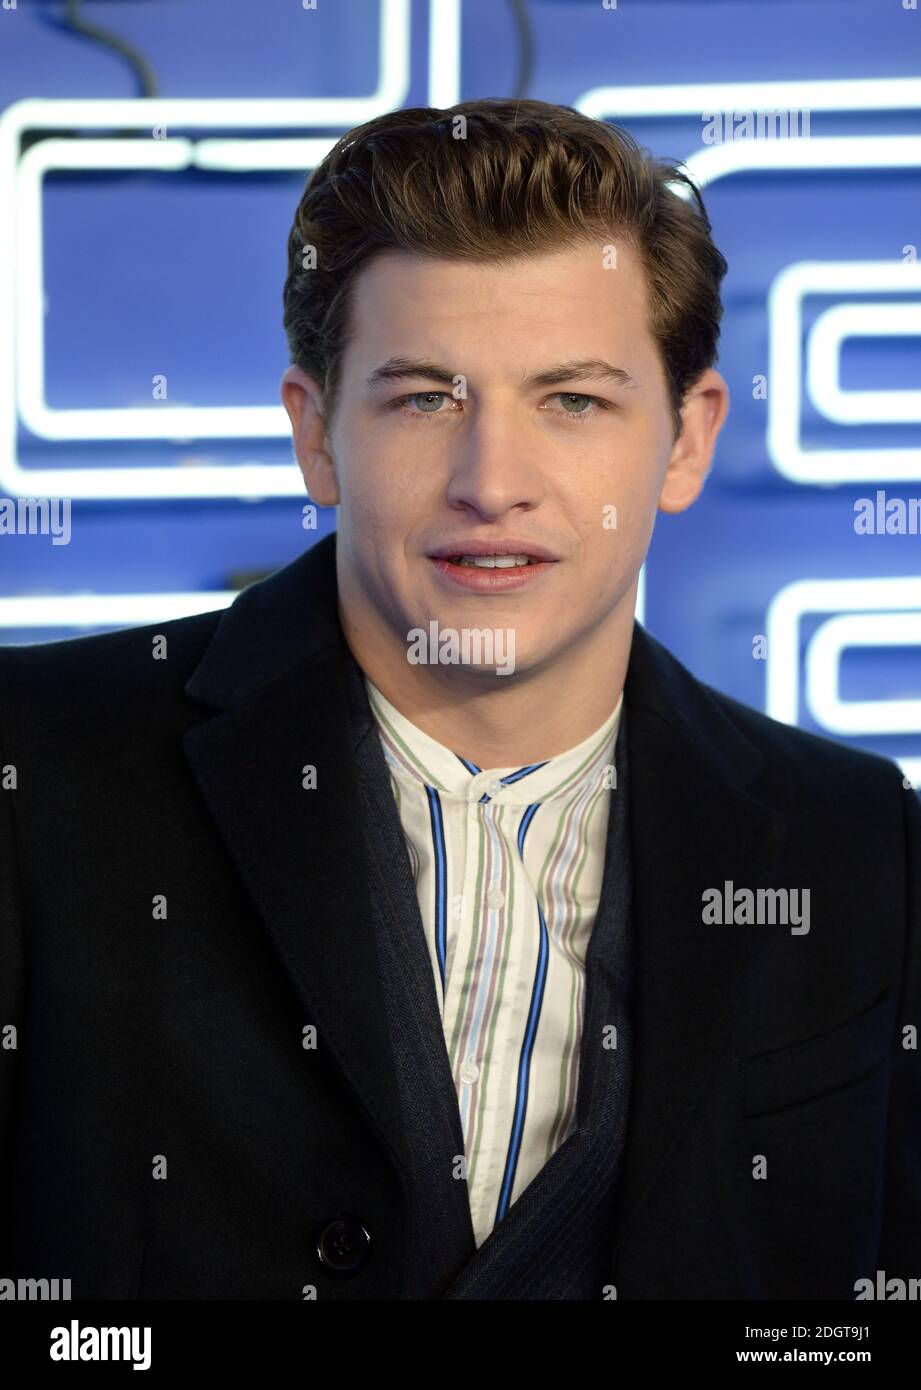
x=420, y=927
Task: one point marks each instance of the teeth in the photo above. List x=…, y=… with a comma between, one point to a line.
x=498, y=562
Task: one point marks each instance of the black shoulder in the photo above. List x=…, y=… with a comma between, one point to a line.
x=101, y=675
x=809, y=760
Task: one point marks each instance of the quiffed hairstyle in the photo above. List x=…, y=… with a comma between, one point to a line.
x=524, y=178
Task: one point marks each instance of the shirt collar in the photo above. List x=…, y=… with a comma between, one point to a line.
x=414, y=756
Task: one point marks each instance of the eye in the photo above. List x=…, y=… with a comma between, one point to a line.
x=576, y=405
x=427, y=401
x=585, y=406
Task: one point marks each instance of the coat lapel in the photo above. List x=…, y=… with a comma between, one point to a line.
x=273, y=671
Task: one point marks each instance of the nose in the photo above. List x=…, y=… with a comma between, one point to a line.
x=494, y=468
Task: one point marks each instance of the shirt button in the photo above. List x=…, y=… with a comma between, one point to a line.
x=495, y=897
x=469, y=1071
x=494, y=786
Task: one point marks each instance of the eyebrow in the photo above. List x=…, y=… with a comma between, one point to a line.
x=581, y=369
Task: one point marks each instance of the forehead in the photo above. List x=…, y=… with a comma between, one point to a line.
x=590, y=298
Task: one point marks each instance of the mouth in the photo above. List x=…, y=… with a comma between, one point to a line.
x=502, y=552
x=498, y=562
x=491, y=571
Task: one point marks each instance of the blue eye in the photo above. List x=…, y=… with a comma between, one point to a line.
x=423, y=396
x=570, y=396
x=421, y=403
x=591, y=405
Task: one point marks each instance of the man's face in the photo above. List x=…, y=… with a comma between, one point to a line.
x=574, y=468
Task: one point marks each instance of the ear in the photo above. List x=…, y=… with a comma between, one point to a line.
x=703, y=412
x=302, y=397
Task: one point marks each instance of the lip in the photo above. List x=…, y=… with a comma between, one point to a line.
x=508, y=545
x=485, y=581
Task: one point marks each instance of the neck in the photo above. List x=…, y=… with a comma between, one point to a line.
x=508, y=720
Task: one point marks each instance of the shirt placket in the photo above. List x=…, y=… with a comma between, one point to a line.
x=501, y=1027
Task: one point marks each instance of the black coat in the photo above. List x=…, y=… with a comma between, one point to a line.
x=145, y=1039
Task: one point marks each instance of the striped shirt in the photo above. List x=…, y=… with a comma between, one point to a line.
x=508, y=865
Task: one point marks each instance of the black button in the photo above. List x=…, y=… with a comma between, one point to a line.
x=343, y=1244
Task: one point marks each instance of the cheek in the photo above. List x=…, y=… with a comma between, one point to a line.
x=638, y=480
x=385, y=485
x=617, y=506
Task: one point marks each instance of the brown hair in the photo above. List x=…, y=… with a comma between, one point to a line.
x=525, y=177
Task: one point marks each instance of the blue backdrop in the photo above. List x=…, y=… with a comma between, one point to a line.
x=144, y=243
